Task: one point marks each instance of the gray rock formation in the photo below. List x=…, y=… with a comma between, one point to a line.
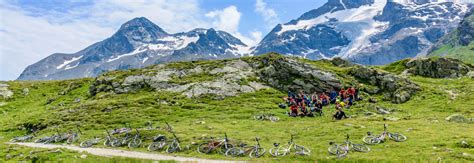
x=398, y=89
x=291, y=75
x=237, y=76
x=459, y=119
x=438, y=68
x=4, y=91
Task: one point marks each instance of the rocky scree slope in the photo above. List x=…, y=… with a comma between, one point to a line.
x=232, y=77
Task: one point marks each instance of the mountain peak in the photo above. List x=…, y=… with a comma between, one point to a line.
x=141, y=29
x=138, y=21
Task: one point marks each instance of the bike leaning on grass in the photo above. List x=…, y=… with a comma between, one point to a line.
x=174, y=146
x=283, y=150
x=159, y=142
x=377, y=139
x=23, y=138
x=341, y=150
x=109, y=139
x=220, y=145
x=255, y=151
x=90, y=142
x=136, y=140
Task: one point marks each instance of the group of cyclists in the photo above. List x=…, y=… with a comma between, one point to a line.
x=302, y=104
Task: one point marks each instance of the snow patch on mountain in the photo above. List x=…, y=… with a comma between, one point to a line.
x=66, y=62
x=136, y=51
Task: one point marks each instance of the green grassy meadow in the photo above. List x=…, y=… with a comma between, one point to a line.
x=51, y=105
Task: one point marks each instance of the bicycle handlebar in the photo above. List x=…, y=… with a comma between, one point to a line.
x=107, y=133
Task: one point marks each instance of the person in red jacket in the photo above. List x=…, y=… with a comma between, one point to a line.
x=342, y=94
x=293, y=110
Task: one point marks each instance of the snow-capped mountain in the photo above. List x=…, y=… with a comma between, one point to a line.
x=366, y=31
x=138, y=43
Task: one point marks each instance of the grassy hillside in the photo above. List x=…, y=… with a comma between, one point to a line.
x=464, y=53
x=51, y=104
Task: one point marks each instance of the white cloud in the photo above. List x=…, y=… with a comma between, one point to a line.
x=25, y=40
x=227, y=19
x=269, y=15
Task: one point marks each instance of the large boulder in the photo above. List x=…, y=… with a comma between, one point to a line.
x=228, y=81
x=437, y=67
x=289, y=74
x=459, y=119
x=4, y=91
x=397, y=88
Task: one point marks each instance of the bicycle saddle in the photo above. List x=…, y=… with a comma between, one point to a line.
x=369, y=133
x=159, y=138
x=242, y=145
x=276, y=144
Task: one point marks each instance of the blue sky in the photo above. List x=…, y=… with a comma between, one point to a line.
x=31, y=30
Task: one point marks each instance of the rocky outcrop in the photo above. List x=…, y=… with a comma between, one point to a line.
x=459, y=119
x=164, y=79
x=5, y=92
x=288, y=74
x=399, y=89
x=437, y=68
x=233, y=77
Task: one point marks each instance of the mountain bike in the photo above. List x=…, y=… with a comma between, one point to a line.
x=109, y=139
x=159, y=143
x=266, y=116
x=23, y=138
x=46, y=139
x=220, y=145
x=174, y=146
x=377, y=139
x=278, y=150
x=90, y=142
x=253, y=151
x=136, y=140
x=74, y=136
x=341, y=150
x=122, y=141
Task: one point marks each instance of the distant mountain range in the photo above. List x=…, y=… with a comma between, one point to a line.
x=363, y=31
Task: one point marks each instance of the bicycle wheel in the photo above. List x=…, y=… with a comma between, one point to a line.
x=397, y=137
x=360, y=148
x=135, y=143
x=279, y=151
x=49, y=140
x=223, y=148
x=86, y=144
x=336, y=150
x=40, y=140
x=274, y=118
x=156, y=146
x=301, y=150
x=258, y=117
x=234, y=152
x=72, y=139
x=204, y=148
x=116, y=143
x=257, y=152
x=107, y=143
x=371, y=140
x=173, y=147
x=13, y=140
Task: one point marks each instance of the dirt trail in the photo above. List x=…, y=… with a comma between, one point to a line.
x=122, y=153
